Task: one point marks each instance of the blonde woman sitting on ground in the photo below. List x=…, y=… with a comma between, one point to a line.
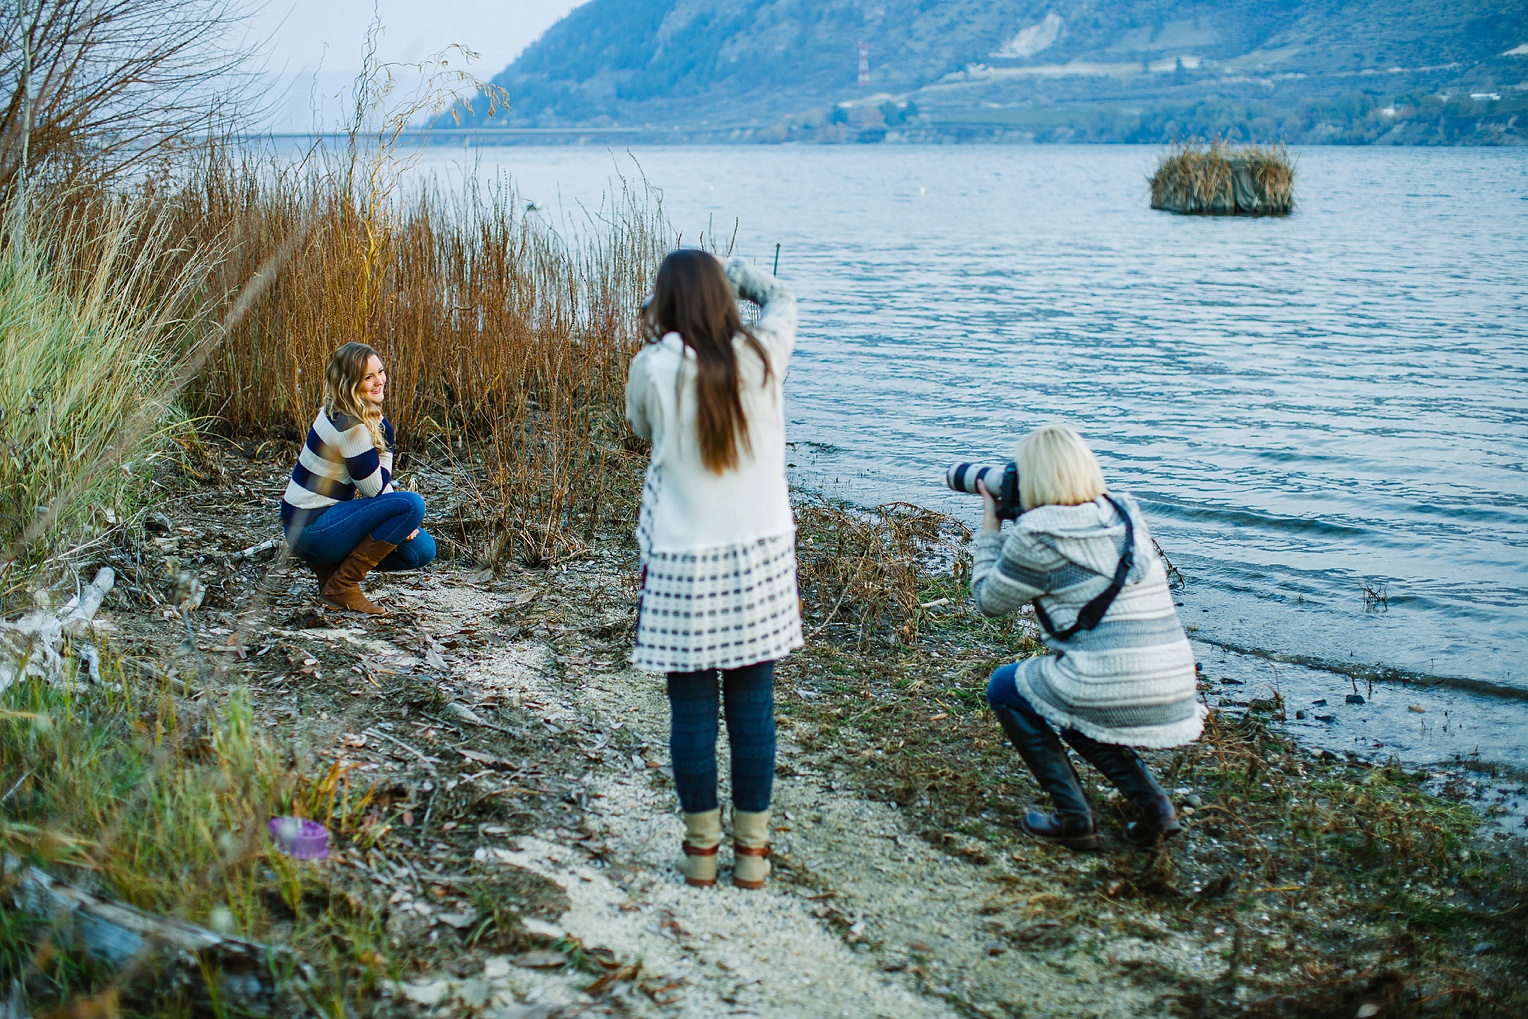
x=340, y=513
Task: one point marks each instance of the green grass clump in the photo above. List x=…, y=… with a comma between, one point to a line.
x=132, y=794
x=93, y=328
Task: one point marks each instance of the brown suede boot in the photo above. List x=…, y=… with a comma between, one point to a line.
x=344, y=586
x=323, y=573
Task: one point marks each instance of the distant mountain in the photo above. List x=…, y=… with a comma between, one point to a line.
x=1293, y=70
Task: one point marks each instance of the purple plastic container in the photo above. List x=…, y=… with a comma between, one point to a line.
x=299, y=839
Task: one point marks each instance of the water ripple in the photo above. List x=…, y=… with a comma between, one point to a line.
x=1309, y=406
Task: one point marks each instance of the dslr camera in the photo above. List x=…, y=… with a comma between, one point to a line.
x=1002, y=482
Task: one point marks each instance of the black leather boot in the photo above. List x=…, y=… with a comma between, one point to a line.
x=1159, y=823
x=1072, y=823
x=1124, y=767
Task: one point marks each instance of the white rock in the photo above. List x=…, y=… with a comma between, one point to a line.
x=473, y=993
x=427, y=992
x=541, y=927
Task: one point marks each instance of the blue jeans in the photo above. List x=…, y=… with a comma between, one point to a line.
x=332, y=535
x=749, y=694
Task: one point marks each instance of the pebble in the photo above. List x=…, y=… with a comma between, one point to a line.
x=1194, y=800
x=521, y=1012
x=431, y=992
x=1483, y=947
x=1354, y=698
x=541, y=959
x=473, y=993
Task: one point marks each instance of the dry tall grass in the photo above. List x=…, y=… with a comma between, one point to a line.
x=882, y=575
x=493, y=325
x=1224, y=180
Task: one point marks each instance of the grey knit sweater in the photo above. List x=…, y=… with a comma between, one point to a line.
x=1131, y=679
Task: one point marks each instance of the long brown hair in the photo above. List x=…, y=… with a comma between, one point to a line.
x=342, y=389
x=692, y=297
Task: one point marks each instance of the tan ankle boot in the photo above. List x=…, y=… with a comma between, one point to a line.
x=702, y=837
x=344, y=586
x=750, y=848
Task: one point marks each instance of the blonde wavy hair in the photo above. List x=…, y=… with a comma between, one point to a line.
x=1056, y=468
x=342, y=389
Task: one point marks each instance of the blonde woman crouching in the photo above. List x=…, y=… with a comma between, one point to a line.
x=1122, y=674
x=340, y=513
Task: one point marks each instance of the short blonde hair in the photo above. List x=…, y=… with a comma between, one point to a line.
x=1056, y=468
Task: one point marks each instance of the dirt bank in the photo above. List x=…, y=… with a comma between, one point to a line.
x=518, y=853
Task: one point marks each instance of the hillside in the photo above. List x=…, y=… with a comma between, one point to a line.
x=1298, y=70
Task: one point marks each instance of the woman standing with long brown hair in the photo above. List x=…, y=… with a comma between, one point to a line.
x=718, y=540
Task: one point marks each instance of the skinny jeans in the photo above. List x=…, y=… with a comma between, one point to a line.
x=391, y=517
x=748, y=696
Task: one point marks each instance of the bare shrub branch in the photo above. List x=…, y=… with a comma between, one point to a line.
x=114, y=83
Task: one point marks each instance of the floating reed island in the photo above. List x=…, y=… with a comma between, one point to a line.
x=1224, y=180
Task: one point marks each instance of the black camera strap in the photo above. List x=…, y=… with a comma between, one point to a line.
x=1092, y=613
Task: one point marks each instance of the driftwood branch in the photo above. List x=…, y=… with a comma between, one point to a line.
x=94, y=593
x=129, y=939
x=31, y=646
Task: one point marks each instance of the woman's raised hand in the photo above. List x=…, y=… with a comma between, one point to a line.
x=750, y=283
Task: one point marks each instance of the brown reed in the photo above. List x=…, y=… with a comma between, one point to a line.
x=1224, y=179
x=871, y=572
x=494, y=326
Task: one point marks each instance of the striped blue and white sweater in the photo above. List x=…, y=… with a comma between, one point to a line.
x=338, y=462
x=1131, y=679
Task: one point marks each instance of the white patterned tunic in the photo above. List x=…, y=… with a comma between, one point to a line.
x=718, y=551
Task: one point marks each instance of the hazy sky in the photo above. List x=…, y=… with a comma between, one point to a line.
x=311, y=36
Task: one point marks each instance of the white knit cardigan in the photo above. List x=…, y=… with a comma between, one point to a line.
x=690, y=507
x=718, y=550
x=1131, y=680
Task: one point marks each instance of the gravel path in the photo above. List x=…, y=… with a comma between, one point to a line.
x=863, y=918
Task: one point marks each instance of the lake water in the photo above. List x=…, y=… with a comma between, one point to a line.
x=1308, y=408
